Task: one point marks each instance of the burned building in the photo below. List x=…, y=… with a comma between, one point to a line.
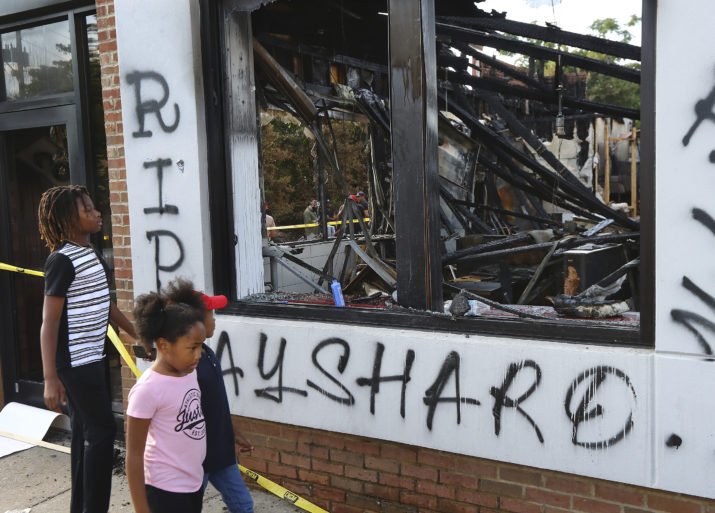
x=567, y=346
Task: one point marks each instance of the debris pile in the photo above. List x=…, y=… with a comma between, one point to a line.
x=525, y=231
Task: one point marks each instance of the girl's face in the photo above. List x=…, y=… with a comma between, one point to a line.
x=183, y=356
x=90, y=219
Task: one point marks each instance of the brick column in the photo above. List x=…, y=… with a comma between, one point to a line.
x=117, y=167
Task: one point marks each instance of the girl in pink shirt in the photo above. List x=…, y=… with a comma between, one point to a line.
x=166, y=432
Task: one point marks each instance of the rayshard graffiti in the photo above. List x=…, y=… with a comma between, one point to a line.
x=691, y=320
x=594, y=425
x=152, y=106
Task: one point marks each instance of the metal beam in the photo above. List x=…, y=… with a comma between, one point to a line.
x=413, y=105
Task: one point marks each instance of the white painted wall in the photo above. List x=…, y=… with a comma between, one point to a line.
x=665, y=392
x=684, y=248
x=161, y=37
x=484, y=363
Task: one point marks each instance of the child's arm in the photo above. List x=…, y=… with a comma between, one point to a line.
x=117, y=317
x=240, y=439
x=137, y=430
x=54, y=390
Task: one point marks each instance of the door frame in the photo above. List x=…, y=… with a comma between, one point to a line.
x=15, y=389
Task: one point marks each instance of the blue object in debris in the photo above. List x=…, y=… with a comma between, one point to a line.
x=337, y=293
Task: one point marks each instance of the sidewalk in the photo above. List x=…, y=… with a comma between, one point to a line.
x=39, y=479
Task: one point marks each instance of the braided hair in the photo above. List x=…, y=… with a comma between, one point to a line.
x=57, y=213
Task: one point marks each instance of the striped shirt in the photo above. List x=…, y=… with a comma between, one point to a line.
x=78, y=274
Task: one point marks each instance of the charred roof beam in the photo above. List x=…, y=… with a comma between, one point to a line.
x=551, y=34
x=548, y=97
x=465, y=35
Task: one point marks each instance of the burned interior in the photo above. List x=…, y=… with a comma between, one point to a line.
x=536, y=199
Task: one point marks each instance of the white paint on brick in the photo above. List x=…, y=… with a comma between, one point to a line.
x=162, y=37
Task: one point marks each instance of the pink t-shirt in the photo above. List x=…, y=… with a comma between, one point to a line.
x=176, y=443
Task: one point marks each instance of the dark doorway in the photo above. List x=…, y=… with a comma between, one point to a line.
x=32, y=159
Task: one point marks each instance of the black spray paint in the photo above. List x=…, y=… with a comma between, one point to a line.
x=267, y=393
x=433, y=395
x=145, y=107
x=342, y=364
x=674, y=441
x=157, y=235
x=160, y=164
x=377, y=378
x=224, y=343
x=691, y=319
x=587, y=411
x=502, y=399
x=151, y=106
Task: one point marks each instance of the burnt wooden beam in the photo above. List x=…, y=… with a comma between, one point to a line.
x=533, y=141
x=320, y=52
x=551, y=34
x=502, y=66
x=509, y=213
x=413, y=123
x=563, y=245
x=465, y=35
x=550, y=97
x=285, y=83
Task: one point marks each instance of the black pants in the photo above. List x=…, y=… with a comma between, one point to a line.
x=93, y=431
x=161, y=501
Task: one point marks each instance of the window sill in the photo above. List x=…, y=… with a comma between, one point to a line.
x=581, y=332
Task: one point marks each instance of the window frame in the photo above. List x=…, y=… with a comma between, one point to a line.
x=591, y=332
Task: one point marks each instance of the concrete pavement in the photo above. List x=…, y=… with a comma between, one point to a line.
x=39, y=479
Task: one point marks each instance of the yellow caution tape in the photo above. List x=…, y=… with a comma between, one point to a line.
x=6, y=267
x=122, y=351
x=281, y=492
x=110, y=331
x=312, y=225
x=266, y=483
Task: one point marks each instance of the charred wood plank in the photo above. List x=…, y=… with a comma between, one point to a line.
x=505, y=152
x=540, y=95
x=413, y=114
x=553, y=35
x=510, y=213
x=506, y=242
x=456, y=206
x=528, y=136
x=513, y=45
x=562, y=246
x=285, y=83
x=502, y=66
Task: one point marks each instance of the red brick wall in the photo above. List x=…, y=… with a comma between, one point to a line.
x=350, y=474
x=117, y=167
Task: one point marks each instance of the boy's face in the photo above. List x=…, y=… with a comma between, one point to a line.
x=90, y=219
x=209, y=323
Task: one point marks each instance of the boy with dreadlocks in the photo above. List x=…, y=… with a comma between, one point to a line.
x=75, y=315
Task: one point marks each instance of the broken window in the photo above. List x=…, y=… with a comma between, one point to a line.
x=538, y=155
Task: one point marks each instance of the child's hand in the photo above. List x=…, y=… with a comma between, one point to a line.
x=54, y=394
x=242, y=442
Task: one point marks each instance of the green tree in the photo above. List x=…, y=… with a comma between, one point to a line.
x=288, y=165
x=602, y=88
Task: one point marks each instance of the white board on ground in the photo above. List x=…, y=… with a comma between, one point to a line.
x=29, y=422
